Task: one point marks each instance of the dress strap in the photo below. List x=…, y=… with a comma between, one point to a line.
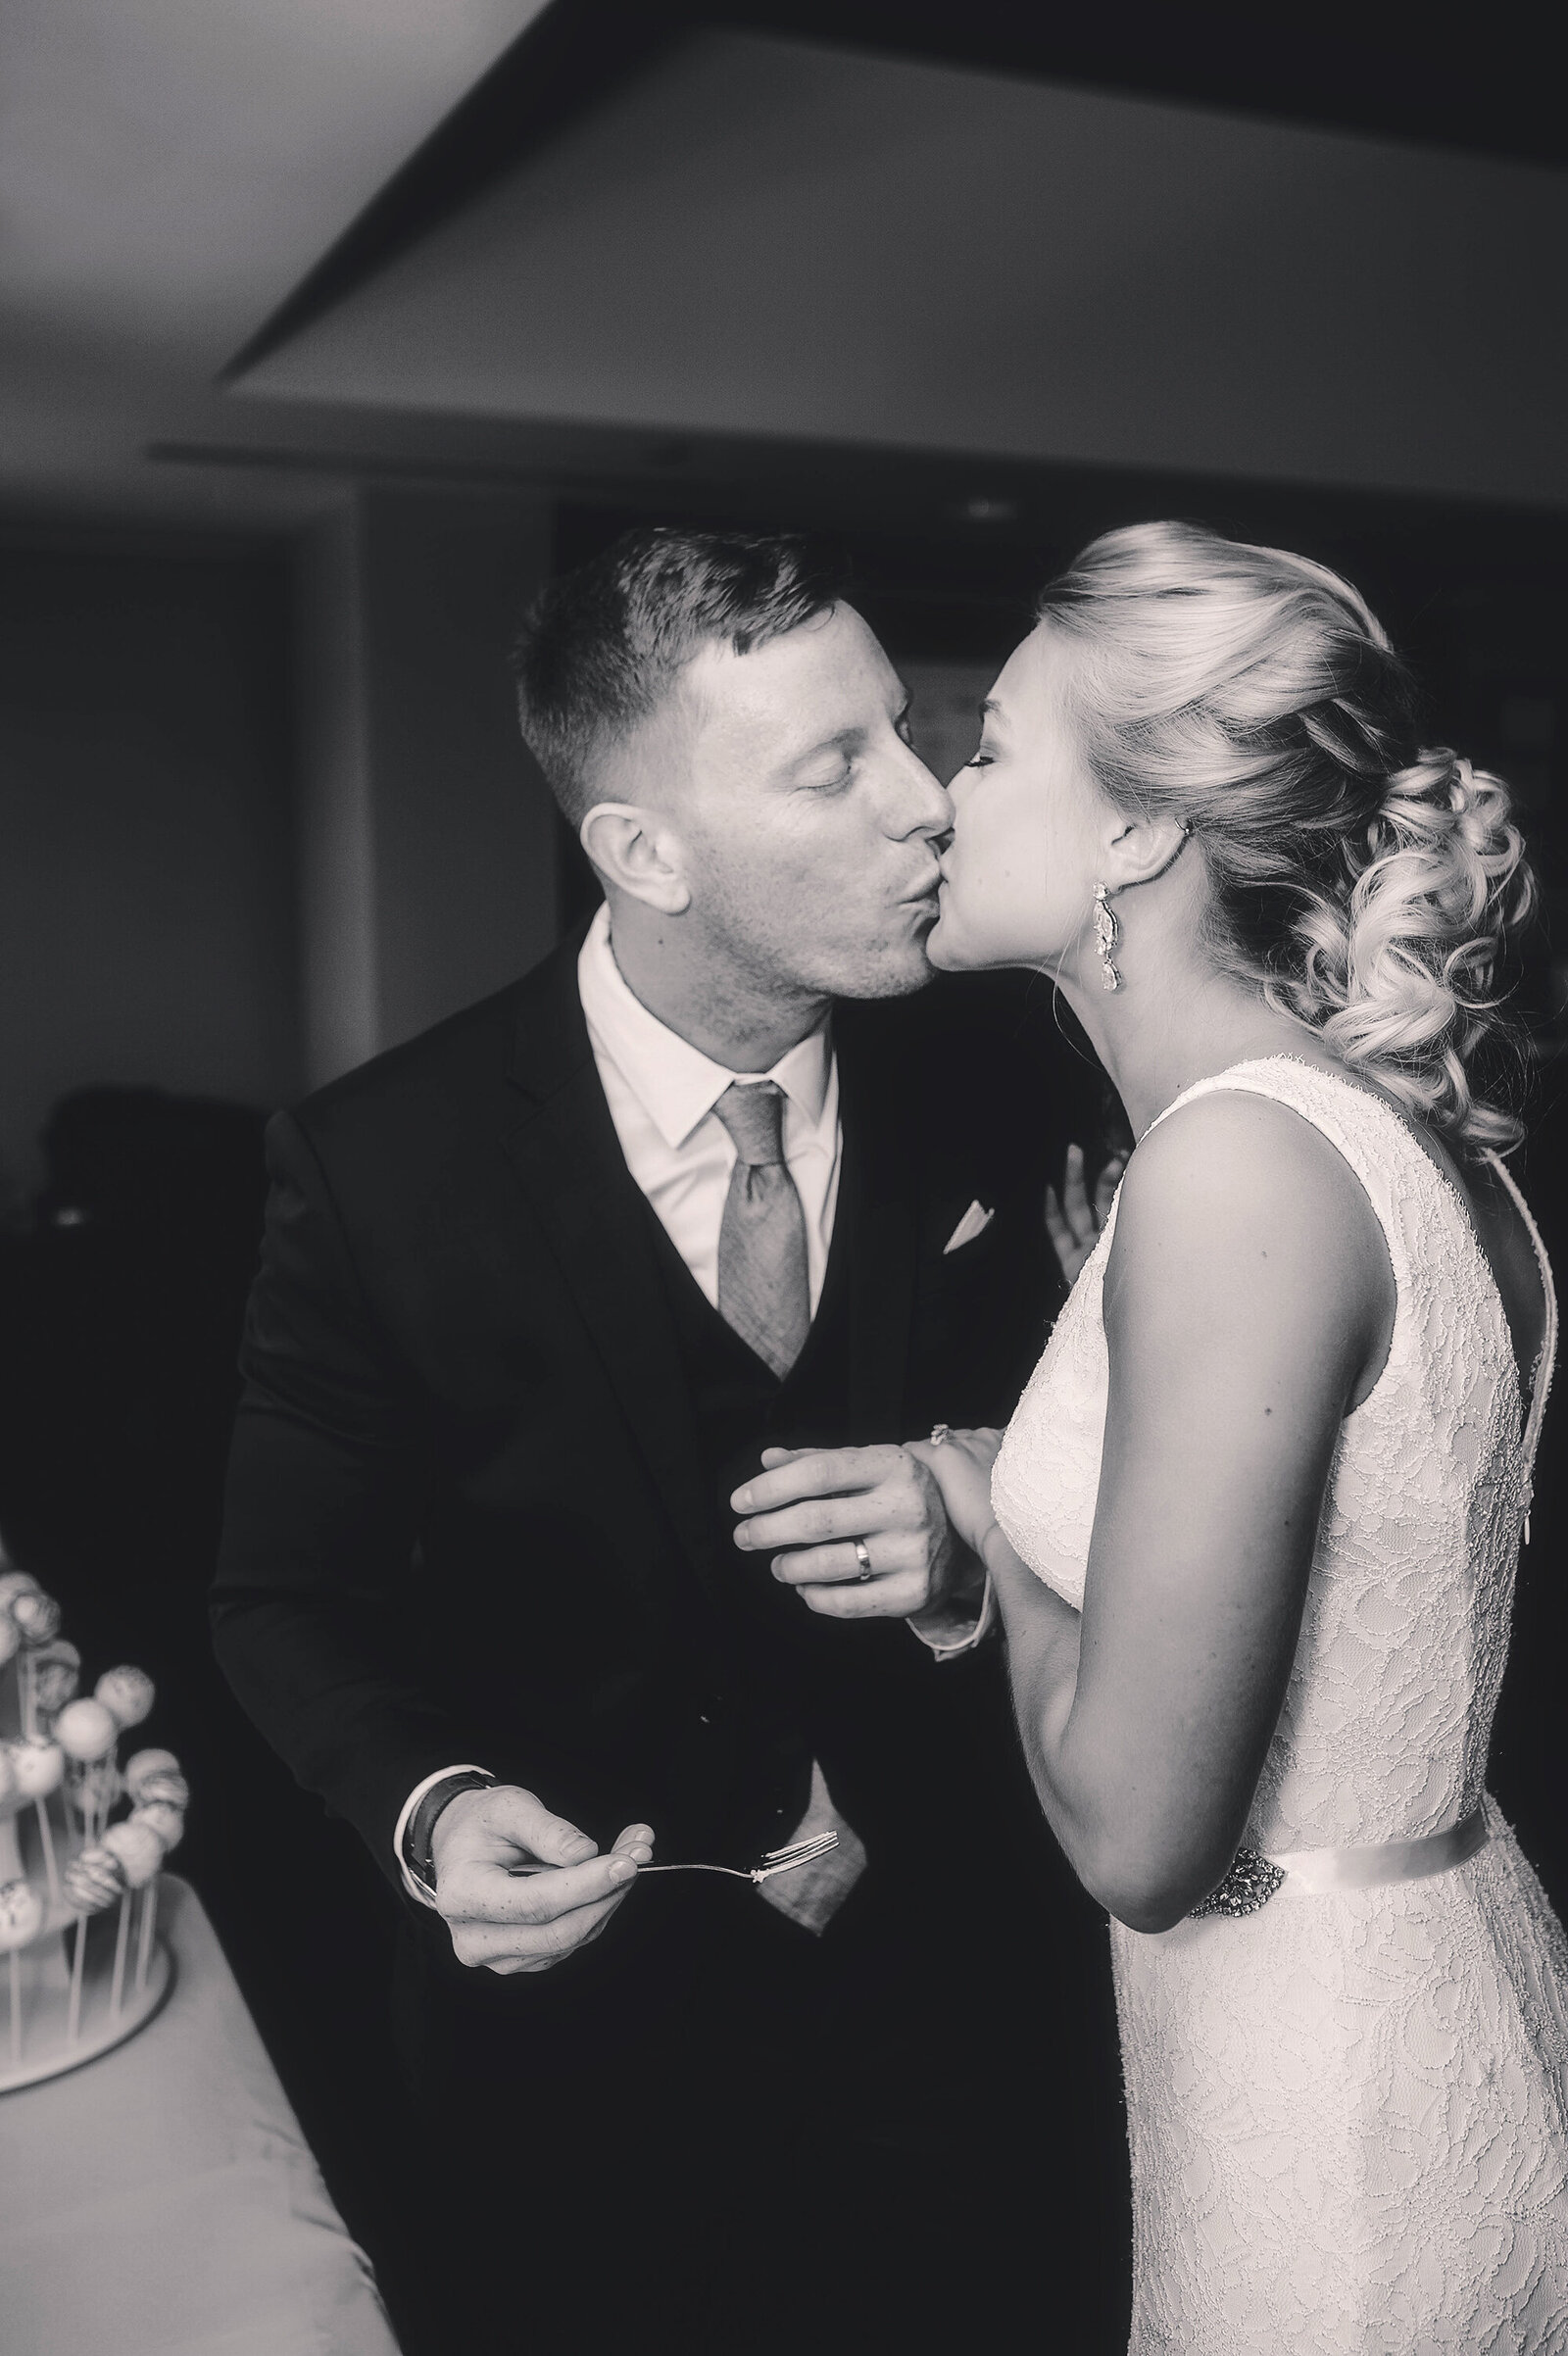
x=1547, y=1355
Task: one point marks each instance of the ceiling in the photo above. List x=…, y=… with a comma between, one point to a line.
x=169, y=171
x=250, y=247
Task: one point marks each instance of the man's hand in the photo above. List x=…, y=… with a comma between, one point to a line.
x=960, y=1465
x=1074, y=1223
x=812, y=1504
x=507, y=1918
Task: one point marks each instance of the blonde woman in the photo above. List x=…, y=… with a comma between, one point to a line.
x=1253, y=1527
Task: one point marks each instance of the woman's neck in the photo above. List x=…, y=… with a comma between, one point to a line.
x=1155, y=1040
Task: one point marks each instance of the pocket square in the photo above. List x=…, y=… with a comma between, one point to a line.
x=974, y=1222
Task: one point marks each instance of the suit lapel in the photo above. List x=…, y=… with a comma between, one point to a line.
x=568, y=1158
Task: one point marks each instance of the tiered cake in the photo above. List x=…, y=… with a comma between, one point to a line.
x=82, y=1840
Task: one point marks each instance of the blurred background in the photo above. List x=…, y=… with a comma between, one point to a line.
x=327, y=333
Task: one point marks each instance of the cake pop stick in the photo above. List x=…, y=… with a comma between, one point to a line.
x=74, y=2007
x=21, y=1914
x=144, y=1937
x=95, y=1785
x=20, y=1920
x=116, y=1984
x=92, y=1881
x=86, y=1733
x=38, y=1767
x=139, y=1853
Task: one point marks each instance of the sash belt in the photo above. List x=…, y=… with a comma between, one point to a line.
x=1311, y=1871
x=1253, y=1880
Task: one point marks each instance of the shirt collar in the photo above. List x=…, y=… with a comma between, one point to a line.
x=674, y=1082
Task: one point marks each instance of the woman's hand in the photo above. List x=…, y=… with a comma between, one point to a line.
x=1074, y=1223
x=961, y=1467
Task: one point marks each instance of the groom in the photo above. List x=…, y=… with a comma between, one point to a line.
x=720, y=1175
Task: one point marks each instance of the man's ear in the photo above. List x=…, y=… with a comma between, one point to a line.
x=636, y=852
x=1141, y=849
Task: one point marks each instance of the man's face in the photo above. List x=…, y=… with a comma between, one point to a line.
x=804, y=821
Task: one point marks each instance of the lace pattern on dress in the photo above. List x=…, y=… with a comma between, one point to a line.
x=1350, y=2115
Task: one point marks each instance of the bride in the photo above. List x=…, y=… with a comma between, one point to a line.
x=1253, y=1527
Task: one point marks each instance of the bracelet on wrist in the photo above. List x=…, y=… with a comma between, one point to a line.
x=420, y=1827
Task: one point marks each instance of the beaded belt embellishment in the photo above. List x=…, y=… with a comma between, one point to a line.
x=1253, y=1878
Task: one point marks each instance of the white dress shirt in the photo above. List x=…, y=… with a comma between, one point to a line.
x=661, y=1090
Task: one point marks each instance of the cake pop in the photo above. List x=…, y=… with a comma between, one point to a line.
x=37, y=1616
x=162, y=1817
x=14, y=1584
x=21, y=1915
x=85, y=1730
x=161, y=1782
x=143, y=1763
x=56, y=1671
x=37, y=1765
x=127, y=1693
x=138, y=1849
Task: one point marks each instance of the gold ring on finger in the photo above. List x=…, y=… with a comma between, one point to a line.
x=865, y=1560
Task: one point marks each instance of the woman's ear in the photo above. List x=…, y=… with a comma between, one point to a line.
x=636, y=852
x=1140, y=849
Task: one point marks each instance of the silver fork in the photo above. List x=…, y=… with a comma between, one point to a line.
x=776, y=1861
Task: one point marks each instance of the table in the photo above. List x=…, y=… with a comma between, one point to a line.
x=162, y=2201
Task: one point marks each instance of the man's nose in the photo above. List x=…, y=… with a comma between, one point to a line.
x=923, y=806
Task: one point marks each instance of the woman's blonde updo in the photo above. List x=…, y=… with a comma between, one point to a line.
x=1368, y=884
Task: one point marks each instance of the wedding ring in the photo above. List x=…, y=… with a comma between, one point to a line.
x=940, y=1432
x=865, y=1560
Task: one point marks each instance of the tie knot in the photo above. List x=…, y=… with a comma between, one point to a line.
x=754, y=1119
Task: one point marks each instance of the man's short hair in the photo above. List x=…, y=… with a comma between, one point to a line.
x=600, y=649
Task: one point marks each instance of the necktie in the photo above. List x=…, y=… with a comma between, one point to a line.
x=763, y=1292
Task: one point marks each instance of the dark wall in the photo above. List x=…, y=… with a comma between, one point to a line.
x=146, y=891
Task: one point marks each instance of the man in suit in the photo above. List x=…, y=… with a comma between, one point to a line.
x=539, y=1287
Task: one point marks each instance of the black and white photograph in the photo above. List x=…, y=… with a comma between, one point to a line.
x=783, y=1127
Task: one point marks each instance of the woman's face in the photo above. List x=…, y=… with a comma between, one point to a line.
x=1019, y=873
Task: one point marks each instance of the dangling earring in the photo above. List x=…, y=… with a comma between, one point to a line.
x=1107, y=932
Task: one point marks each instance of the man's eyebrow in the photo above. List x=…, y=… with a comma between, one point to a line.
x=992, y=709
x=841, y=740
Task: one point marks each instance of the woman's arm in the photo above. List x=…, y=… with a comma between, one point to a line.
x=1248, y=1301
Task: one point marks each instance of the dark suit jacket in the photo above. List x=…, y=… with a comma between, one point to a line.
x=465, y=1514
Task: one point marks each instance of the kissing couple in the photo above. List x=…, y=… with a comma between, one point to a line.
x=653, y=1454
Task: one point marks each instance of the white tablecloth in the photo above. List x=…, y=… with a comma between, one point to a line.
x=161, y=2201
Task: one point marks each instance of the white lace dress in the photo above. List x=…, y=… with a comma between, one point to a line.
x=1349, y=2111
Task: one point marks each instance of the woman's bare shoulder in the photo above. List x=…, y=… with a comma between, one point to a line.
x=1233, y=1180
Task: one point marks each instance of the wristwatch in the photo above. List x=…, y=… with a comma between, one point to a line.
x=421, y=1824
